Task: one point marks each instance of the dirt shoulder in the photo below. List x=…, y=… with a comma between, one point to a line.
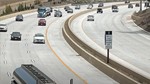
x=142, y=19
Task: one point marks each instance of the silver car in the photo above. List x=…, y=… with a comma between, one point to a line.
x=3, y=27
x=70, y=10
x=90, y=18
x=39, y=38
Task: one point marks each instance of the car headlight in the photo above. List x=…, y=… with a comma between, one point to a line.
x=19, y=37
x=12, y=36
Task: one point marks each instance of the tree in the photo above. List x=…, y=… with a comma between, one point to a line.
x=8, y=9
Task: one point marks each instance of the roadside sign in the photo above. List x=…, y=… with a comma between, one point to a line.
x=108, y=39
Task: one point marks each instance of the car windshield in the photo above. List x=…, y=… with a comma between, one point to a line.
x=42, y=19
x=16, y=33
x=19, y=16
x=114, y=7
x=39, y=35
x=90, y=16
x=2, y=24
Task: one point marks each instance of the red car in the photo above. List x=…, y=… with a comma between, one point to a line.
x=42, y=22
x=137, y=5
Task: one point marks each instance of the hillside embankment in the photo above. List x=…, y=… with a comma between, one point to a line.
x=142, y=19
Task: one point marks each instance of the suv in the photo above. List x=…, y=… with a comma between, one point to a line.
x=114, y=8
x=99, y=10
x=77, y=7
x=130, y=6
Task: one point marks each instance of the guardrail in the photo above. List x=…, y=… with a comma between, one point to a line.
x=115, y=70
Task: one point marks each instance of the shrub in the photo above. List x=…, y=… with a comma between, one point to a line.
x=20, y=7
x=8, y=10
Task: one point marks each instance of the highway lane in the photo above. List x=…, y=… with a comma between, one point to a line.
x=130, y=43
x=15, y=53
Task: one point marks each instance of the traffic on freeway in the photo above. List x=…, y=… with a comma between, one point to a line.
x=55, y=58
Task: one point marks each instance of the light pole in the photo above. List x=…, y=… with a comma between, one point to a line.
x=140, y=5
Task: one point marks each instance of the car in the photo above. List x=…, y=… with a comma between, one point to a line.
x=70, y=10
x=58, y=14
x=48, y=11
x=56, y=9
x=3, y=27
x=51, y=9
x=15, y=36
x=77, y=7
x=100, y=5
x=39, y=38
x=19, y=18
x=90, y=18
x=89, y=6
x=66, y=7
x=127, y=1
x=130, y=6
x=114, y=8
x=99, y=10
x=146, y=4
x=137, y=5
x=42, y=22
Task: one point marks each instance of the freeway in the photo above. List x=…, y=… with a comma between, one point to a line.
x=55, y=58
x=130, y=43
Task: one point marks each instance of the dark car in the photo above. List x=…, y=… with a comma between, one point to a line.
x=15, y=36
x=51, y=9
x=42, y=22
x=114, y=8
x=137, y=5
x=100, y=5
x=70, y=10
x=127, y=1
x=66, y=8
x=19, y=18
x=77, y=7
x=99, y=10
x=130, y=6
x=58, y=14
x=146, y=4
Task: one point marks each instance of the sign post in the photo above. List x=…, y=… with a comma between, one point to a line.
x=108, y=42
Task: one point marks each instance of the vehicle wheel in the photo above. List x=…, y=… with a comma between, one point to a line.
x=54, y=15
x=5, y=30
x=20, y=39
x=61, y=16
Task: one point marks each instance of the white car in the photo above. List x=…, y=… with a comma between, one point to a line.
x=3, y=27
x=90, y=18
x=39, y=38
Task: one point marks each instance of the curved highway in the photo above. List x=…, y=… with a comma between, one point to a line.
x=130, y=43
x=55, y=58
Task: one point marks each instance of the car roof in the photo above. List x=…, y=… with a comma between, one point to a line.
x=38, y=34
x=90, y=16
x=15, y=32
